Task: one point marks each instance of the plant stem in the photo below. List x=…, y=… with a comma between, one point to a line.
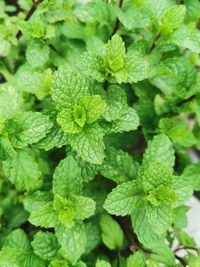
x=116, y=26
x=185, y=248
x=182, y=102
x=118, y=258
x=182, y=261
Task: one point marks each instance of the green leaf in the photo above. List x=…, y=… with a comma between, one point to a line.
x=67, y=178
x=23, y=170
x=172, y=19
x=88, y=170
x=144, y=230
x=68, y=88
x=28, y=128
x=112, y=234
x=17, y=239
x=118, y=166
x=79, y=114
x=163, y=254
x=94, y=106
x=72, y=241
x=67, y=121
x=184, y=37
x=129, y=121
x=185, y=239
x=192, y=10
x=159, y=149
x=37, y=54
x=175, y=78
x=6, y=149
x=65, y=210
x=162, y=195
x=191, y=173
x=179, y=217
x=116, y=103
x=178, y=132
x=27, y=80
x=14, y=257
x=183, y=187
x=102, y=263
x=136, y=260
x=89, y=143
x=10, y=101
x=93, y=236
x=157, y=174
x=58, y=263
x=136, y=67
x=160, y=218
x=84, y=207
x=115, y=54
x=37, y=199
x=92, y=65
x=2, y=122
x=45, y=245
x=44, y=216
x=54, y=138
x=122, y=200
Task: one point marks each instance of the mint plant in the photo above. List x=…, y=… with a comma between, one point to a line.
x=99, y=121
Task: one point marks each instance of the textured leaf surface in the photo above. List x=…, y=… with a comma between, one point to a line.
x=18, y=239
x=37, y=54
x=68, y=88
x=116, y=103
x=72, y=241
x=118, y=166
x=160, y=149
x=137, y=260
x=157, y=174
x=123, y=198
x=94, y=107
x=23, y=170
x=28, y=128
x=160, y=218
x=84, y=207
x=144, y=230
x=129, y=121
x=115, y=53
x=44, y=216
x=172, y=18
x=45, y=245
x=19, y=258
x=67, y=121
x=89, y=144
x=54, y=138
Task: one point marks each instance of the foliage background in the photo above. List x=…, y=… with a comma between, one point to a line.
x=99, y=114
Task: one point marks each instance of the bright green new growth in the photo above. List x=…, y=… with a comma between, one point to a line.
x=99, y=121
